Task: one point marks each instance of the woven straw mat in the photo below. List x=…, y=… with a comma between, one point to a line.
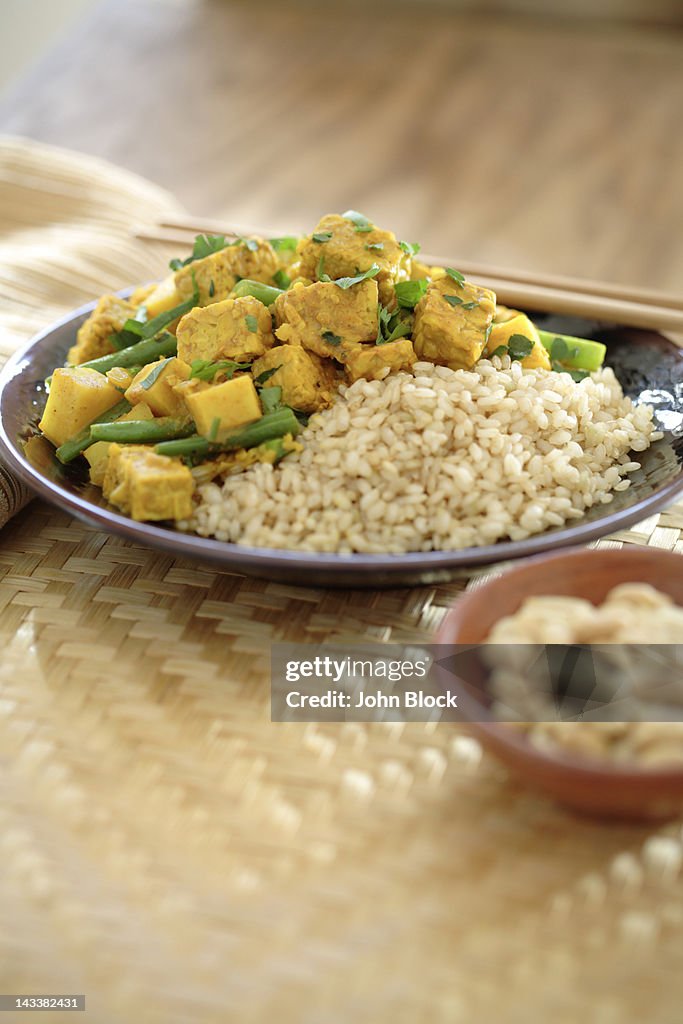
x=177, y=857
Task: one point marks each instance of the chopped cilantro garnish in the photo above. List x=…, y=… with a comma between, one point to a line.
x=519, y=346
x=453, y=300
x=391, y=325
x=410, y=248
x=153, y=376
x=282, y=280
x=331, y=338
x=375, y=246
x=212, y=289
x=348, y=282
x=287, y=243
x=562, y=352
x=470, y=305
x=320, y=270
x=251, y=322
x=321, y=236
x=204, y=369
x=204, y=245
x=456, y=276
x=266, y=375
x=409, y=293
x=360, y=222
x=271, y=398
x=487, y=333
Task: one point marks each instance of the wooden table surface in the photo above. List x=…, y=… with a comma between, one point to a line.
x=549, y=145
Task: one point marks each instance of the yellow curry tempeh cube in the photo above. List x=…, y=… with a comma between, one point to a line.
x=154, y=385
x=340, y=249
x=216, y=275
x=451, y=321
x=93, y=338
x=326, y=319
x=145, y=485
x=239, y=329
x=78, y=395
x=307, y=381
x=370, y=361
x=218, y=411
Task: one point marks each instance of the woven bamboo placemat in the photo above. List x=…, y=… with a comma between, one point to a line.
x=170, y=852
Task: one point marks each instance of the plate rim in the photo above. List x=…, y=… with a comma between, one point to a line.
x=240, y=558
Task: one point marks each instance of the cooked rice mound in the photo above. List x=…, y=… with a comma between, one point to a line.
x=438, y=459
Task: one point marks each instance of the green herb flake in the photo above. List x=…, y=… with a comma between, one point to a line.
x=331, y=338
x=519, y=346
x=456, y=276
x=251, y=322
x=287, y=243
x=410, y=248
x=375, y=246
x=391, y=325
x=470, y=305
x=204, y=369
x=271, y=398
x=321, y=236
x=266, y=375
x=453, y=300
x=215, y=427
x=212, y=288
x=348, y=282
x=561, y=352
x=487, y=333
x=282, y=280
x=153, y=376
x=359, y=221
x=320, y=270
x=409, y=293
x=204, y=245
x=502, y=350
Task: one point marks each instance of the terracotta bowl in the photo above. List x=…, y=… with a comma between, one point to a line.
x=585, y=784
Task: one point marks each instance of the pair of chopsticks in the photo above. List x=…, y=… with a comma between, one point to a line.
x=635, y=307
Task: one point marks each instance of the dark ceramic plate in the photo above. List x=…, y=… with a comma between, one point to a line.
x=649, y=368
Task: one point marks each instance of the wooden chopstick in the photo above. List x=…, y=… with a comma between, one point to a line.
x=539, y=292
x=194, y=225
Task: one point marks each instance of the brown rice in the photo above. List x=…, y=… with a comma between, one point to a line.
x=438, y=459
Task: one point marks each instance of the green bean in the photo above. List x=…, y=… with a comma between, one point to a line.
x=272, y=425
x=72, y=448
x=265, y=293
x=574, y=353
x=142, y=431
x=136, y=355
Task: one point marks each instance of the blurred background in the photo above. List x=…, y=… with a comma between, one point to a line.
x=540, y=134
